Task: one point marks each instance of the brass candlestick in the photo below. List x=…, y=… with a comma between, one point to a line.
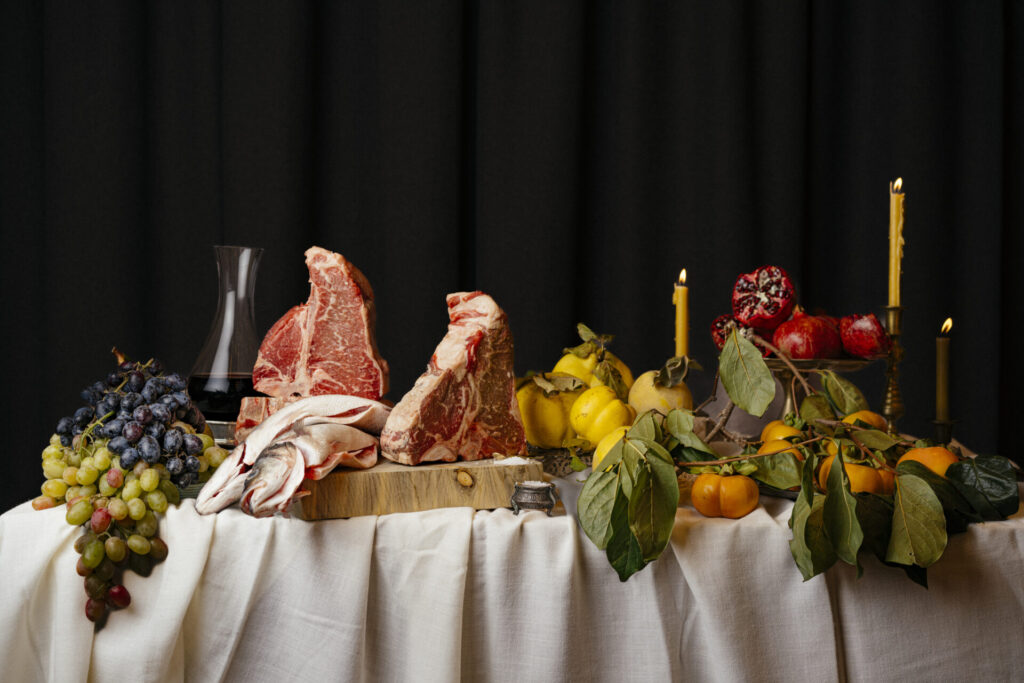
x=892, y=408
x=943, y=431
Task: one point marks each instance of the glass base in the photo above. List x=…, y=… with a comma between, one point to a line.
x=223, y=433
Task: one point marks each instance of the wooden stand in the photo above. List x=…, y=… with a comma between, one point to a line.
x=391, y=487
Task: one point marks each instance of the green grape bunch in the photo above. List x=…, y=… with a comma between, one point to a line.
x=117, y=463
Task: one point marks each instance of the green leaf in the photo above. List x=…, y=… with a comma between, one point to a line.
x=655, y=451
x=798, y=545
x=746, y=378
x=989, y=483
x=632, y=460
x=592, y=342
x=687, y=454
x=553, y=384
x=875, y=516
x=874, y=438
x=807, y=480
x=675, y=370
x=594, y=506
x=680, y=425
x=781, y=470
x=609, y=375
x=840, y=516
x=693, y=442
x=582, y=350
x=918, y=575
x=575, y=464
x=613, y=457
x=810, y=547
x=958, y=510
x=586, y=334
x=679, y=422
x=844, y=393
x=918, y=525
x=651, y=513
x=816, y=407
x=645, y=427
x=623, y=550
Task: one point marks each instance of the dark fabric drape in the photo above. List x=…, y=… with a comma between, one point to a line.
x=566, y=157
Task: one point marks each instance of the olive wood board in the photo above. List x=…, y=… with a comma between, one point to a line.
x=391, y=487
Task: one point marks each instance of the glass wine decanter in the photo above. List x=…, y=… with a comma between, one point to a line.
x=222, y=373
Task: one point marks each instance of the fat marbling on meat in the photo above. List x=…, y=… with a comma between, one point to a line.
x=328, y=344
x=464, y=405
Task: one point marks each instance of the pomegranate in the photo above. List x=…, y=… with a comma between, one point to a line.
x=808, y=336
x=723, y=324
x=863, y=336
x=764, y=298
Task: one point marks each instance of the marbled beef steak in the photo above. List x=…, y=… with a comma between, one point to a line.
x=464, y=405
x=326, y=345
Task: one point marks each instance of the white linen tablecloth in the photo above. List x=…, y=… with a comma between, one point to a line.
x=455, y=594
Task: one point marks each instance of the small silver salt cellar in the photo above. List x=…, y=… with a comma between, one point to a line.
x=533, y=495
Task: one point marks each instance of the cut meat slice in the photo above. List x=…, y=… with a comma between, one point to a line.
x=326, y=345
x=464, y=405
x=254, y=410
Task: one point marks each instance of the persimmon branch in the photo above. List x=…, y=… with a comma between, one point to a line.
x=758, y=339
x=749, y=456
x=709, y=399
x=723, y=417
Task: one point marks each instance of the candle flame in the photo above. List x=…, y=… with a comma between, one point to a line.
x=947, y=326
x=897, y=185
x=682, y=276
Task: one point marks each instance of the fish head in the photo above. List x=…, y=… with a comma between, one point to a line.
x=269, y=476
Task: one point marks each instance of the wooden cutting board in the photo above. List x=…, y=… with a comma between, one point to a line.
x=391, y=487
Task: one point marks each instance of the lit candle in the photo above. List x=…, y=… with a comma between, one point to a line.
x=895, y=239
x=942, y=372
x=681, y=298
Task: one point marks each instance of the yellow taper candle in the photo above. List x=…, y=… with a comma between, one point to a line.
x=896, y=197
x=942, y=372
x=681, y=298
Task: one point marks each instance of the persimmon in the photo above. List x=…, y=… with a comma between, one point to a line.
x=868, y=417
x=775, y=432
x=935, y=458
x=777, y=445
x=863, y=478
x=732, y=496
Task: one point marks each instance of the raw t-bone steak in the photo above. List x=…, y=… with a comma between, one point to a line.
x=464, y=405
x=326, y=345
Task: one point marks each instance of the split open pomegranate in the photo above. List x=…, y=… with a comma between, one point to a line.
x=723, y=324
x=764, y=298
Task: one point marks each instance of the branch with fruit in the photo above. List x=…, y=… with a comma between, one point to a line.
x=857, y=489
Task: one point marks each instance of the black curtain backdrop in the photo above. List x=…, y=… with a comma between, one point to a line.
x=566, y=157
